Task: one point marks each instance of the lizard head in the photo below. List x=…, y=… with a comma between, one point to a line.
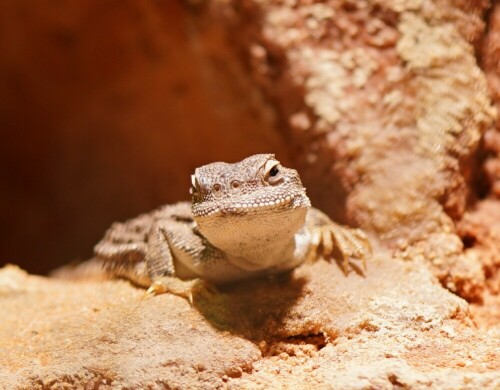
x=256, y=185
x=252, y=199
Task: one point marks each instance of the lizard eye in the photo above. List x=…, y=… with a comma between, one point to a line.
x=235, y=184
x=274, y=175
x=216, y=187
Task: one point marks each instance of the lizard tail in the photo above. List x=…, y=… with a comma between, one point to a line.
x=88, y=270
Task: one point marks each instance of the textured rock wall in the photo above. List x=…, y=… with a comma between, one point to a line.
x=491, y=65
x=386, y=103
x=382, y=104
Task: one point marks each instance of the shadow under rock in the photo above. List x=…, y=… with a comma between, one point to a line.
x=255, y=308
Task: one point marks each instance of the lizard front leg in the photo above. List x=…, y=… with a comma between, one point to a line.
x=161, y=268
x=335, y=241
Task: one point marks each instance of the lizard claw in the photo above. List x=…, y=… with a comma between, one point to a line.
x=335, y=241
x=187, y=289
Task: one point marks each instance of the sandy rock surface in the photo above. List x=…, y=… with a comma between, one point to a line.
x=389, y=109
x=315, y=328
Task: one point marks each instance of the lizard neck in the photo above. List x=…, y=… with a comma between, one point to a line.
x=255, y=242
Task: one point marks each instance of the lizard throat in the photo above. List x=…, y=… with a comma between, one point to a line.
x=255, y=240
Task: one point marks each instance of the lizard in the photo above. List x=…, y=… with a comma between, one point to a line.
x=246, y=219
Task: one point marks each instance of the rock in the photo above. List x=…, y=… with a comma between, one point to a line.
x=386, y=104
x=389, y=117
x=394, y=326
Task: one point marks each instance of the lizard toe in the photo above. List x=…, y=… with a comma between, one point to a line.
x=344, y=244
x=187, y=289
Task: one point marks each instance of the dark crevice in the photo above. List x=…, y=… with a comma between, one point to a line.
x=479, y=43
x=487, y=28
x=396, y=383
x=291, y=344
x=480, y=184
x=318, y=340
x=468, y=241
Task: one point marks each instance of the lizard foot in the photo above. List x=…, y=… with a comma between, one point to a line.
x=342, y=243
x=187, y=289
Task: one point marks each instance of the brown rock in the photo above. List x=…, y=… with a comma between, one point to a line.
x=316, y=328
x=387, y=104
x=381, y=102
x=480, y=230
x=491, y=65
x=105, y=334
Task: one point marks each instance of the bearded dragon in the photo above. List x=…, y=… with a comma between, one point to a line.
x=247, y=219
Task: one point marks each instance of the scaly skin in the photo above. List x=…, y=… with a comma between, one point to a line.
x=246, y=219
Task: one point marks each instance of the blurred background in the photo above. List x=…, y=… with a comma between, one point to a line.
x=106, y=108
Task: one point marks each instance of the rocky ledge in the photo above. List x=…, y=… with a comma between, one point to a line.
x=395, y=326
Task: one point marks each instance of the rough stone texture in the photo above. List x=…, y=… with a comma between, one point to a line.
x=383, y=106
x=480, y=230
x=106, y=108
x=396, y=326
x=491, y=65
x=386, y=99
x=104, y=333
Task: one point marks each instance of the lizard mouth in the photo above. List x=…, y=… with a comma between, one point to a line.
x=283, y=203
